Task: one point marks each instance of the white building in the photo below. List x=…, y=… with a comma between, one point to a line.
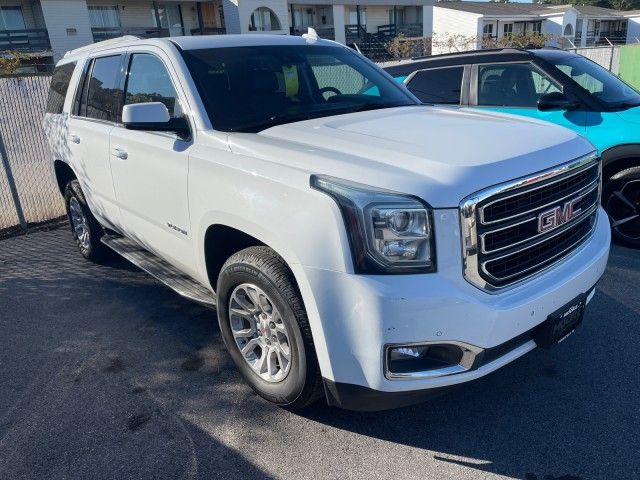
x=51, y=27
x=579, y=25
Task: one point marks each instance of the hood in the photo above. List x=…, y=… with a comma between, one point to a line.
x=439, y=154
x=631, y=115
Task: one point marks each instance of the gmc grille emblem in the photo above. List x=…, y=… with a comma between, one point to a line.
x=558, y=216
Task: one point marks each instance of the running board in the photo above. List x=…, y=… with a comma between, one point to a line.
x=160, y=269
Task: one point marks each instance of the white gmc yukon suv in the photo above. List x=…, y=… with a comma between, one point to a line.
x=357, y=245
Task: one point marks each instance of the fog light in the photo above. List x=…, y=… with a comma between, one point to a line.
x=422, y=358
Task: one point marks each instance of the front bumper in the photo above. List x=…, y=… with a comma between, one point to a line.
x=356, y=316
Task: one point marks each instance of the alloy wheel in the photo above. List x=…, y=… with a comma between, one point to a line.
x=260, y=332
x=623, y=207
x=79, y=223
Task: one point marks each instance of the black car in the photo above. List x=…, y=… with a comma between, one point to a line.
x=556, y=86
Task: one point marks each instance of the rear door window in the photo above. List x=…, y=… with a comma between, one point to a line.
x=103, y=96
x=440, y=85
x=59, y=86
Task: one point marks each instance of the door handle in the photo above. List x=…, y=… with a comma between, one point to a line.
x=74, y=138
x=120, y=153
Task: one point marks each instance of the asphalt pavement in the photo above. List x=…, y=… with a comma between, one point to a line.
x=107, y=374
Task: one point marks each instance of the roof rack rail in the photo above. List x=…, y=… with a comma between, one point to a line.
x=103, y=43
x=473, y=52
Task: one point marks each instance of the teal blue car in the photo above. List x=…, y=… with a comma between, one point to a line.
x=556, y=86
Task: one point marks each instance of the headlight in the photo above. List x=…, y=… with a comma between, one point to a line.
x=388, y=232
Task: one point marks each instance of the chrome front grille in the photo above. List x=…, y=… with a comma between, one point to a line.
x=515, y=230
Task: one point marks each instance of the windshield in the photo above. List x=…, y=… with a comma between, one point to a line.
x=598, y=81
x=252, y=88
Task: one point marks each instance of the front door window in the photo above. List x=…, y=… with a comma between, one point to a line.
x=512, y=85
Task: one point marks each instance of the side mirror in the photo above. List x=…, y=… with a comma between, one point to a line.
x=153, y=117
x=555, y=101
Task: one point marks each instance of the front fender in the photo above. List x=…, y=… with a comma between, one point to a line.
x=304, y=226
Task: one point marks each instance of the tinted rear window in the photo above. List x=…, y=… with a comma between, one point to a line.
x=59, y=86
x=441, y=85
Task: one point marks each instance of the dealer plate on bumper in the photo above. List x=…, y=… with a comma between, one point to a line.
x=560, y=324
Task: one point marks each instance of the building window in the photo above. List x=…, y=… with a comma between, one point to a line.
x=170, y=16
x=353, y=16
x=536, y=27
x=104, y=17
x=487, y=30
x=11, y=18
x=264, y=20
x=303, y=16
x=508, y=29
x=568, y=30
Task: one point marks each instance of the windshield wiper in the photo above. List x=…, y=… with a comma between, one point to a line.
x=275, y=120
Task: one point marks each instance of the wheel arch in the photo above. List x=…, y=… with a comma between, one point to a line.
x=64, y=174
x=242, y=235
x=220, y=242
x=618, y=158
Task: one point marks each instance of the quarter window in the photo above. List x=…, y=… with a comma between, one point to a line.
x=104, y=94
x=440, y=85
x=59, y=86
x=149, y=81
x=512, y=85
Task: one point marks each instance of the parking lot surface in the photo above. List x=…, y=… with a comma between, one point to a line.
x=105, y=373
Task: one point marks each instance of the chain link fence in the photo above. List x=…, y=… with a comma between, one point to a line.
x=607, y=57
x=28, y=191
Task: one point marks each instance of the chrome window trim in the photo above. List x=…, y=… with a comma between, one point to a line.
x=469, y=213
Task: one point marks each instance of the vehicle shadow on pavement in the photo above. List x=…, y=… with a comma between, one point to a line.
x=107, y=374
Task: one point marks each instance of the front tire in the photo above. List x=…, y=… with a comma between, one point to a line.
x=85, y=229
x=265, y=328
x=621, y=200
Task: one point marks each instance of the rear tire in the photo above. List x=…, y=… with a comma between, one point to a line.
x=621, y=200
x=85, y=229
x=260, y=311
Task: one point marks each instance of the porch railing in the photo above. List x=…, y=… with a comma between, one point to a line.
x=354, y=32
x=29, y=40
x=208, y=31
x=327, y=32
x=106, y=33
x=408, y=29
x=615, y=37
